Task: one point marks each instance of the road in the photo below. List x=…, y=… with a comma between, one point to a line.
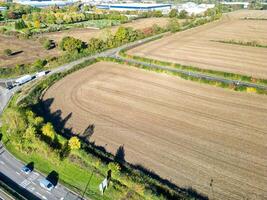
x=5, y=196
x=192, y=74
x=10, y=166
x=29, y=184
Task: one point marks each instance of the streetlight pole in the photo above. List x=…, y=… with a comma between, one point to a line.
x=88, y=184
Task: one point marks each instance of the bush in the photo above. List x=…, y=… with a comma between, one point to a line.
x=74, y=143
x=8, y=52
x=173, y=25
x=251, y=90
x=20, y=24
x=71, y=44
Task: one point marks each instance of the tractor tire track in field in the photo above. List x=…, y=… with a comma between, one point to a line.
x=179, y=129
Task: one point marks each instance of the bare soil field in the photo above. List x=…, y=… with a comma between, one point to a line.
x=196, y=47
x=26, y=51
x=188, y=133
x=85, y=33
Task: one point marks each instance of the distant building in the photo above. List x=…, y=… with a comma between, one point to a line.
x=45, y=3
x=193, y=8
x=136, y=7
x=245, y=4
x=3, y=8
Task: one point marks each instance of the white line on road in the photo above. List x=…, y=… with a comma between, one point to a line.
x=48, y=192
x=2, y=162
x=43, y=197
x=25, y=183
x=31, y=189
x=17, y=173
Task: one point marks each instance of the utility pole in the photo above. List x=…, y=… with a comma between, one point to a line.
x=88, y=184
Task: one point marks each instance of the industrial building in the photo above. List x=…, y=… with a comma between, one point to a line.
x=193, y=8
x=136, y=7
x=45, y=3
x=3, y=8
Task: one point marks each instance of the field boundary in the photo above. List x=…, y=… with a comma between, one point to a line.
x=247, y=80
x=233, y=85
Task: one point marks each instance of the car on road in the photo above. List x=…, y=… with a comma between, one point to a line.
x=44, y=183
x=25, y=169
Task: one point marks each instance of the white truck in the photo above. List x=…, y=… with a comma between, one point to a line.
x=42, y=73
x=23, y=79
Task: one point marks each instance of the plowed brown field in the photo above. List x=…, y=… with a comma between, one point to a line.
x=186, y=132
x=195, y=46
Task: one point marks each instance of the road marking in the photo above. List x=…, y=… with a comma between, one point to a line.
x=48, y=192
x=2, y=162
x=17, y=173
x=31, y=189
x=43, y=197
x=33, y=176
x=25, y=183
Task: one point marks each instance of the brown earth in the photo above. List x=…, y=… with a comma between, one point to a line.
x=85, y=33
x=27, y=51
x=186, y=132
x=195, y=46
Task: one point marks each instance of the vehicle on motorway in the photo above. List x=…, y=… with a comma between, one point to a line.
x=44, y=183
x=25, y=169
x=9, y=86
x=23, y=79
x=42, y=73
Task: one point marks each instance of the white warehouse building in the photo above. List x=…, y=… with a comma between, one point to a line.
x=165, y=8
x=193, y=8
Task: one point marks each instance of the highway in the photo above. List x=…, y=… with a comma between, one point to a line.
x=29, y=184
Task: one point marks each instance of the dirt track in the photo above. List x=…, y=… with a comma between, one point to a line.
x=85, y=34
x=186, y=132
x=195, y=46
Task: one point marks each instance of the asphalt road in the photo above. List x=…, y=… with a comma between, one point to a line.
x=10, y=166
x=5, y=196
x=29, y=184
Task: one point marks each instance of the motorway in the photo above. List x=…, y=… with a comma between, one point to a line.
x=29, y=184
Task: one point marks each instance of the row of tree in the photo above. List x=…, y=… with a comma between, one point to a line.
x=15, y=11
x=52, y=17
x=122, y=35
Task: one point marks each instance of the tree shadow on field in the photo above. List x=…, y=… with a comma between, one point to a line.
x=16, y=53
x=158, y=185
x=120, y=155
x=43, y=108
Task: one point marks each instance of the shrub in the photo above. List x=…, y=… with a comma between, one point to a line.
x=71, y=44
x=173, y=25
x=8, y=52
x=74, y=143
x=48, y=131
x=20, y=24
x=251, y=90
